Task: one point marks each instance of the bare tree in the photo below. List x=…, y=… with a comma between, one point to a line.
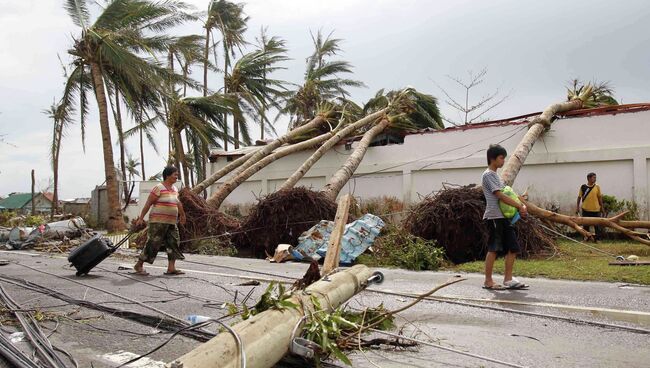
x=471, y=112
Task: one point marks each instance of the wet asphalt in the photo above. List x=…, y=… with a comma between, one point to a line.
x=96, y=339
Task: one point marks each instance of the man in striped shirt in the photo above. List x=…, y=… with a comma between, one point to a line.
x=166, y=210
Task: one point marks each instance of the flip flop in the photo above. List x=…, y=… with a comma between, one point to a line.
x=175, y=272
x=494, y=287
x=515, y=285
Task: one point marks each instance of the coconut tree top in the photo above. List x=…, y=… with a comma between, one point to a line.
x=323, y=81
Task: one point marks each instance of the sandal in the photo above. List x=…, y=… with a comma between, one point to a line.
x=515, y=284
x=175, y=272
x=494, y=287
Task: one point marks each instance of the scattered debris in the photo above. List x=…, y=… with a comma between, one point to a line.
x=358, y=236
x=311, y=276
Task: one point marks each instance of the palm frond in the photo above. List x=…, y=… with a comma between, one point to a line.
x=78, y=12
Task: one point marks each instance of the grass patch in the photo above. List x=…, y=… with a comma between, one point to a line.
x=576, y=262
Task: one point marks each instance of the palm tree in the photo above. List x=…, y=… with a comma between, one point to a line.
x=109, y=50
x=322, y=82
x=229, y=19
x=251, y=88
x=602, y=94
x=131, y=167
x=144, y=128
x=268, y=45
x=60, y=121
x=203, y=116
x=405, y=109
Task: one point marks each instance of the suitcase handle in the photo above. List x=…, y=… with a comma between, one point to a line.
x=119, y=243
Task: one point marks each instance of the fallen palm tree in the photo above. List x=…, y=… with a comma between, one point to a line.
x=301, y=207
x=238, y=166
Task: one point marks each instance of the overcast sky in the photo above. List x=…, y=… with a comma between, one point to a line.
x=530, y=48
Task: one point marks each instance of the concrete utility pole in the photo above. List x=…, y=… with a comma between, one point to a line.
x=266, y=337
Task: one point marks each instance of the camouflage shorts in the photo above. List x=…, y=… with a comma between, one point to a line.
x=161, y=237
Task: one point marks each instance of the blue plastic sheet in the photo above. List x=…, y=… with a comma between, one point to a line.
x=357, y=237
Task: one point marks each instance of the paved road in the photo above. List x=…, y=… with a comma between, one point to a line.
x=101, y=340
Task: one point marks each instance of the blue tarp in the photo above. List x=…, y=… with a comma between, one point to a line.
x=357, y=237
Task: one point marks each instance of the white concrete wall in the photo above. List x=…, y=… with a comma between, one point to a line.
x=615, y=146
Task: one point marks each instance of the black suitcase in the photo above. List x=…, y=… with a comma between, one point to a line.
x=92, y=253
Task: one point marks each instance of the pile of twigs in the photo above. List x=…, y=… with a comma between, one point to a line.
x=280, y=218
x=454, y=218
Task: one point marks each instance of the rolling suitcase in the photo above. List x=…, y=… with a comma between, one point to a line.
x=92, y=253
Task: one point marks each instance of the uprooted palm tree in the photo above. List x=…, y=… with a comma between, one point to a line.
x=322, y=83
x=264, y=157
x=602, y=94
x=110, y=50
x=401, y=110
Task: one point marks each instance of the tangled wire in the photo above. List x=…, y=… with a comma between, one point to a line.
x=280, y=218
x=454, y=218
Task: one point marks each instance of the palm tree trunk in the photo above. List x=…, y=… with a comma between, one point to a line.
x=120, y=138
x=180, y=155
x=537, y=127
x=251, y=158
x=55, y=169
x=228, y=187
x=115, y=220
x=142, y=155
x=205, y=61
x=343, y=175
x=203, y=185
x=235, y=123
x=304, y=168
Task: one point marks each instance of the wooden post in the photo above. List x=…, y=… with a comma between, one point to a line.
x=334, y=245
x=33, y=202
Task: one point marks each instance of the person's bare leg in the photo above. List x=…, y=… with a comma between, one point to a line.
x=139, y=266
x=171, y=266
x=510, y=262
x=490, y=257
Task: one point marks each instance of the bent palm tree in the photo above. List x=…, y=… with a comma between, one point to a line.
x=250, y=86
x=109, y=49
x=405, y=109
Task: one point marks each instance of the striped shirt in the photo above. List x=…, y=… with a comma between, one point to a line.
x=491, y=183
x=165, y=209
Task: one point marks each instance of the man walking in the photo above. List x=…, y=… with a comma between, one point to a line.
x=592, y=200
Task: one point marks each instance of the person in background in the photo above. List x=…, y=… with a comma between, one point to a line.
x=166, y=211
x=591, y=199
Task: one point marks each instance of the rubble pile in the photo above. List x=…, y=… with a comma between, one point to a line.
x=454, y=218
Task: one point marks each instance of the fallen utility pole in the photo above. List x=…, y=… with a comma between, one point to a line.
x=333, y=256
x=266, y=337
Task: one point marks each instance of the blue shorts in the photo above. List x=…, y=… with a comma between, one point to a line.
x=503, y=238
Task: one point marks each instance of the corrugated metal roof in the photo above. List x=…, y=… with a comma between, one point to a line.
x=16, y=201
